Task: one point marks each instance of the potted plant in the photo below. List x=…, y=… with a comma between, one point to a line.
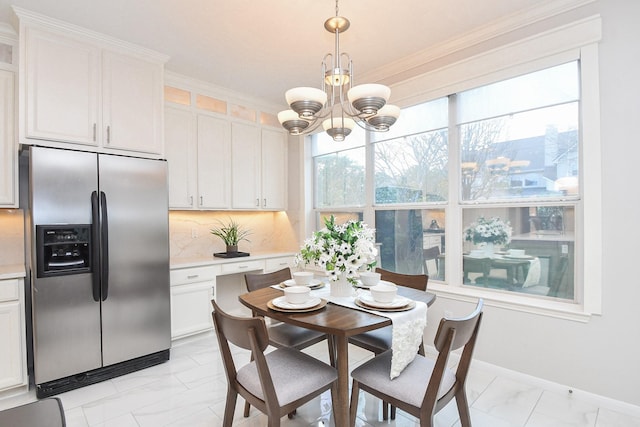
x=231, y=234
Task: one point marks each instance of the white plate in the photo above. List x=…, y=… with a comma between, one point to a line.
x=398, y=302
x=291, y=282
x=381, y=282
x=518, y=256
x=282, y=303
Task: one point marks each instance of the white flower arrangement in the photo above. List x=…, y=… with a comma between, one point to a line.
x=340, y=249
x=494, y=231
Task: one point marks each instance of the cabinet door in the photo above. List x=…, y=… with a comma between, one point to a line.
x=214, y=154
x=245, y=166
x=180, y=150
x=132, y=103
x=274, y=170
x=62, y=88
x=11, y=356
x=7, y=144
x=191, y=309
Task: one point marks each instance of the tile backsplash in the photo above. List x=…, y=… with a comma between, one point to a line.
x=190, y=236
x=11, y=236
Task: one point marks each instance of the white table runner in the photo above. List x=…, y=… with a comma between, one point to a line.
x=407, y=327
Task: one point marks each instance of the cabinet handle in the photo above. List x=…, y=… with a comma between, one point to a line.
x=264, y=203
x=258, y=202
x=243, y=266
x=201, y=201
x=94, y=132
x=108, y=134
x=190, y=200
x=193, y=276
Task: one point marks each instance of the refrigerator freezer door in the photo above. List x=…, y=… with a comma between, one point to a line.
x=136, y=311
x=66, y=319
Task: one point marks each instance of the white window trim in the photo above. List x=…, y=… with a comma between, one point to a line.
x=577, y=40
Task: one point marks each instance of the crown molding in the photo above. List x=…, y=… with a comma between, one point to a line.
x=398, y=70
x=41, y=21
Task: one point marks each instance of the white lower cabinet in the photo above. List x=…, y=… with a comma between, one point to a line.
x=192, y=290
x=13, y=369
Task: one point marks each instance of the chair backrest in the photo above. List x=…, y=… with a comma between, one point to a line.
x=238, y=330
x=415, y=281
x=256, y=281
x=453, y=334
x=430, y=256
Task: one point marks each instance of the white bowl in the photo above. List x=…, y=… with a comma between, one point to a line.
x=297, y=294
x=384, y=292
x=302, y=277
x=369, y=278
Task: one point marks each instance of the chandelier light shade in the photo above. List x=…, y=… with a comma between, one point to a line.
x=338, y=105
x=338, y=128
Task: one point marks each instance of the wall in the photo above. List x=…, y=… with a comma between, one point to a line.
x=190, y=237
x=599, y=356
x=11, y=237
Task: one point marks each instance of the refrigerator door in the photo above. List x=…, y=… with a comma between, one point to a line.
x=66, y=319
x=136, y=307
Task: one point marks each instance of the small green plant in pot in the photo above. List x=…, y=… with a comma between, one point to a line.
x=231, y=234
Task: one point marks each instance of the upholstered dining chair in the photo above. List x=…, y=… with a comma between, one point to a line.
x=42, y=413
x=425, y=386
x=379, y=340
x=276, y=383
x=283, y=334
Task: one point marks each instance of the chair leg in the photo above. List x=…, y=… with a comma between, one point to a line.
x=353, y=405
x=385, y=410
x=463, y=408
x=247, y=408
x=229, y=408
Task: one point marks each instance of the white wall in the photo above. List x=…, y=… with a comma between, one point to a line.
x=602, y=355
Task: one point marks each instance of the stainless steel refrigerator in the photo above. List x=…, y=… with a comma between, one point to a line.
x=98, y=260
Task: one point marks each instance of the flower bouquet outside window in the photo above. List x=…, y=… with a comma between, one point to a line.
x=494, y=231
x=340, y=249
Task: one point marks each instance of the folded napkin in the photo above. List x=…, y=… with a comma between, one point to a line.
x=533, y=276
x=407, y=327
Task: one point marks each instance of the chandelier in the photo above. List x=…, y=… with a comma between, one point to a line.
x=339, y=105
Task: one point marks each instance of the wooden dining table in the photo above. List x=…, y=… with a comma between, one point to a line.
x=339, y=323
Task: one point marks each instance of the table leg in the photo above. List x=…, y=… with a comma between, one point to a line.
x=341, y=413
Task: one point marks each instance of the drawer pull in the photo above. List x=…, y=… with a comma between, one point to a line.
x=243, y=266
x=193, y=276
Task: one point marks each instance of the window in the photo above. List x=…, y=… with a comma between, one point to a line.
x=511, y=143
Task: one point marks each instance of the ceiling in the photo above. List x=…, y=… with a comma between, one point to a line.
x=262, y=48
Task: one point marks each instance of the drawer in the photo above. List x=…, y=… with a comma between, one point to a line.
x=9, y=290
x=242, y=266
x=191, y=275
x=274, y=264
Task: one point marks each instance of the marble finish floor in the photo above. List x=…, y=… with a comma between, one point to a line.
x=189, y=390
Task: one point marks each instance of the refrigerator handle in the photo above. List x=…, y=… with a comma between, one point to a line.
x=104, y=239
x=95, y=247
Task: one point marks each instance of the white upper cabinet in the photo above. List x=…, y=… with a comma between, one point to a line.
x=180, y=150
x=198, y=151
x=274, y=169
x=84, y=89
x=259, y=165
x=245, y=166
x=8, y=158
x=214, y=155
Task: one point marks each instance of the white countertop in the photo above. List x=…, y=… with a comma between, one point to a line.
x=204, y=261
x=16, y=271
